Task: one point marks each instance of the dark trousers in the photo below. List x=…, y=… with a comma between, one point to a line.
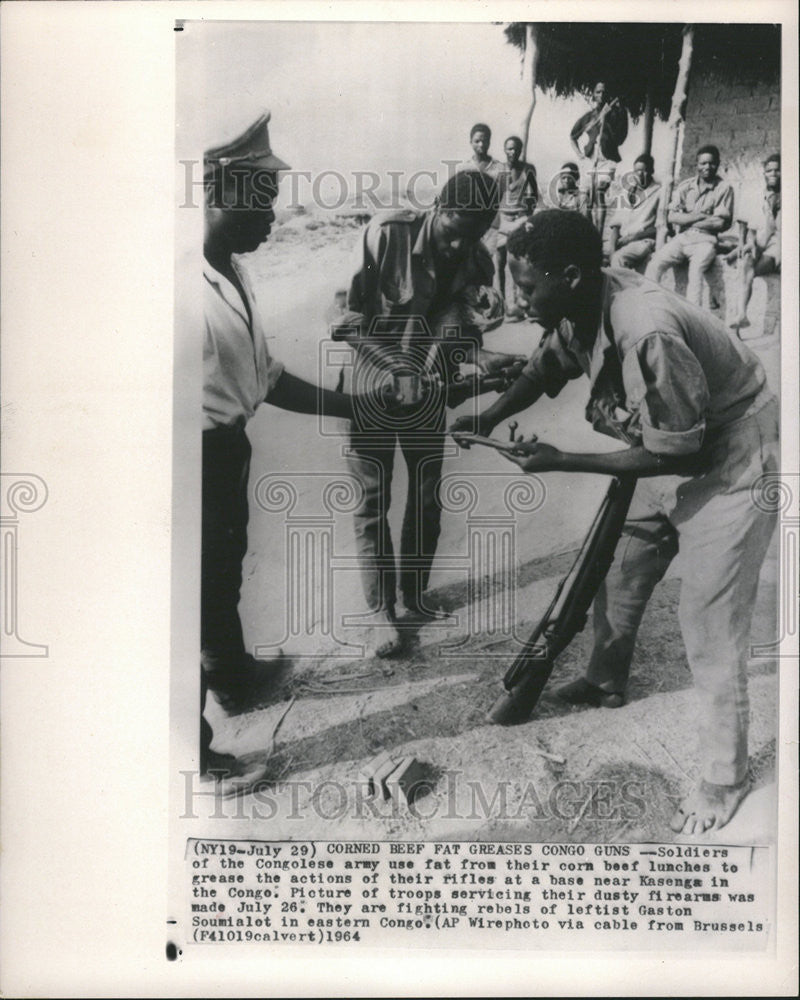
x=226, y=468
x=371, y=459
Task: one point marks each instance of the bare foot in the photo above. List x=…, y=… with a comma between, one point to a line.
x=708, y=807
x=583, y=692
x=383, y=639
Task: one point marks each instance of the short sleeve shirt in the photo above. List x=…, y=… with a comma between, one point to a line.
x=238, y=371
x=637, y=210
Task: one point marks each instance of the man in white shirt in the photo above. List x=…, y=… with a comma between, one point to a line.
x=241, y=179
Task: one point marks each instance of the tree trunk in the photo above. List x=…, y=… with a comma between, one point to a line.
x=649, y=113
x=529, y=64
x=675, y=121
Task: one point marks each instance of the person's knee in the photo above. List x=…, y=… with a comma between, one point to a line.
x=701, y=259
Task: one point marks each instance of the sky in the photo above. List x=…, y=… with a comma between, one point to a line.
x=381, y=97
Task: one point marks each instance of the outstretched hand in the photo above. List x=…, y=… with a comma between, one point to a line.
x=471, y=424
x=535, y=456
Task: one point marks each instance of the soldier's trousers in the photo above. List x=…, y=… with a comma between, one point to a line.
x=723, y=533
x=371, y=457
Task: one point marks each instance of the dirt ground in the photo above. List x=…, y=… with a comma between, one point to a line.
x=591, y=775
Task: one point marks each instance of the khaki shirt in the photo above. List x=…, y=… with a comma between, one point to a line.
x=694, y=195
x=637, y=210
x=238, y=371
x=663, y=373
x=395, y=277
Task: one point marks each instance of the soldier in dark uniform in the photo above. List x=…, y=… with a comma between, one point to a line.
x=413, y=266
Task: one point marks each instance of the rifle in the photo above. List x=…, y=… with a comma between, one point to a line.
x=599, y=118
x=498, y=380
x=566, y=616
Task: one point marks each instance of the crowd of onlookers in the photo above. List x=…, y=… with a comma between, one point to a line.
x=698, y=223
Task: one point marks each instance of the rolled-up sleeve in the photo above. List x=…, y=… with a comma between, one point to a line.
x=552, y=364
x=665, y=382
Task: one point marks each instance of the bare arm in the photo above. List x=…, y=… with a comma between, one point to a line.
x=523, y=393
x=298, y=396
x=637, y=460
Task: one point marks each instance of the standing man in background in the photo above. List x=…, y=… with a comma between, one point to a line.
x=519, y=193
x=633, y=224
x=605, y=128
x=480, y=138
x=701, y=208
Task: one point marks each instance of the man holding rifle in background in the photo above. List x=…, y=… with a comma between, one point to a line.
x=693, y=406
x=605, y=127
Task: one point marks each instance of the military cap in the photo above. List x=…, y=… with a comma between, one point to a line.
x=251, y=148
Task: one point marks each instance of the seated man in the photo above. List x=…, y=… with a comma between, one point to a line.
x=633, y=226
x=567, y=194
x=761, y=254
x=694, y=408
x=519, y=193
x=701, y=208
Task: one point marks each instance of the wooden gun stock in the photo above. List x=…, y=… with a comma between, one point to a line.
x=566, y=616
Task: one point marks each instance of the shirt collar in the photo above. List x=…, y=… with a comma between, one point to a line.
x=225, y=288
x=703, y=185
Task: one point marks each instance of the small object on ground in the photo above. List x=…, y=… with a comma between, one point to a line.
x=549, y=756
x=403, y=782
x=375, y=771
x=583, y=692
x=584, y=807
x=512, y=429
x=389, y=777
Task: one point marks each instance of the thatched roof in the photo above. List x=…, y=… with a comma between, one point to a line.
x=629, y=58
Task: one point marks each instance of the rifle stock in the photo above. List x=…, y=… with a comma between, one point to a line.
x=566, y=616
